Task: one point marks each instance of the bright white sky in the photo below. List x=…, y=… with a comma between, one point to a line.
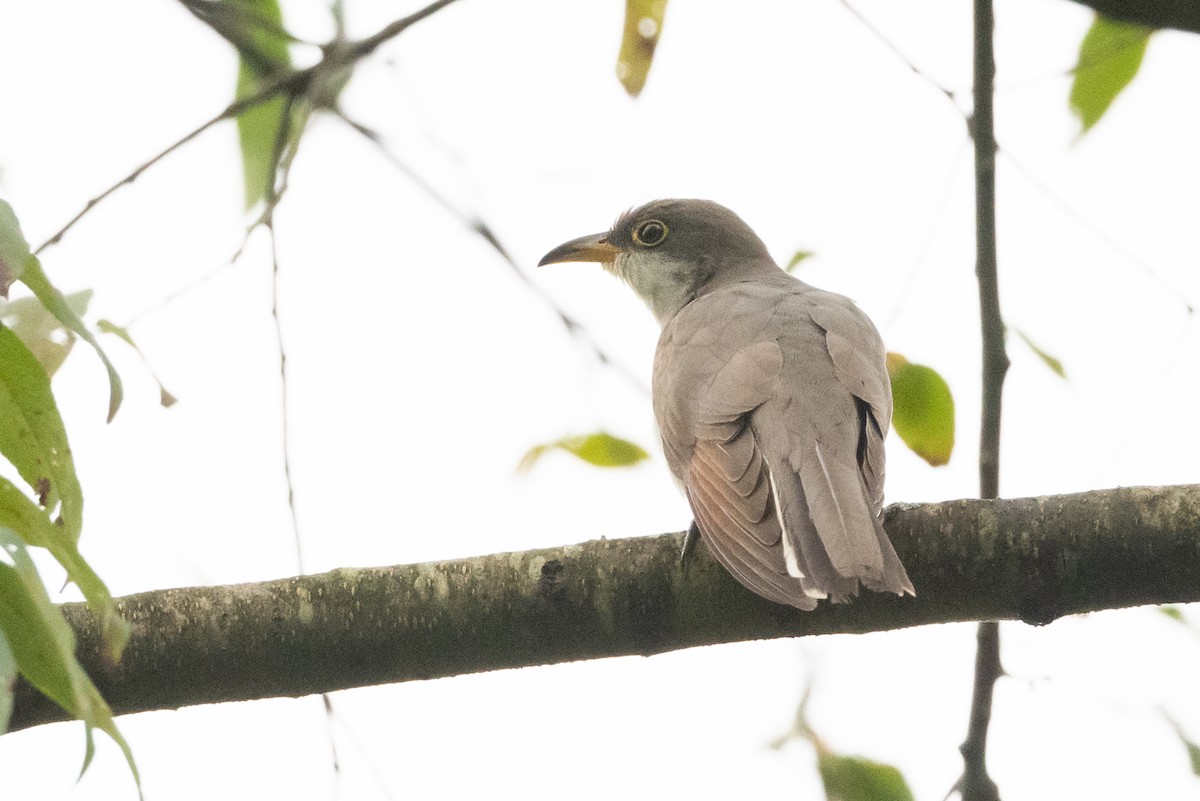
x=422, y=370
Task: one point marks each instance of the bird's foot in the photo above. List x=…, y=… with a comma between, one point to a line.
x=690, y=538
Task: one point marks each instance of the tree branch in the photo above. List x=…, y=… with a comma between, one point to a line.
x=336, y=56
x=1183, y=15
x=994, y=357
x=975, y=783
x=1032, y=559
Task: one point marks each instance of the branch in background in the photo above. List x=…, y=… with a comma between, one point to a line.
x=287, y=84
x=995, y=358
x=1032, y=559
x=1182, y=15
x=285, y=148
x=1172, y=292
x=975, y=783
x=294, y=84
x=478, y=226
x=890, y=45
x=1097, y=231
x=237, y=23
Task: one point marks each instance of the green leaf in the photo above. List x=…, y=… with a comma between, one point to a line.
x=797, y=257
x=58, y=305
x=600, y=449
x=13, y=241
x=1109, y=58
x=923, y=412
x=109, y=327
x=40, y=330
x=1193, y=750
x=846, y=778
x=41, y=641
x=14, y=249
x=264, y=58
x=43, y=646
x=1173, y=612
x=164, y=397
x=643, y=26
x=851, y=778
x=34, y=441
x=32, y=436
x=1054, y=364
x=26, y=520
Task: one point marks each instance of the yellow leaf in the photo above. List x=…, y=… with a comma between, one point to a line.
x=643, y=26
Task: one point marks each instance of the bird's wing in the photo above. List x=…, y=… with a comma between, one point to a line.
x=857, y=352
x=728, y=482
x=772, y=410
x=823, y=432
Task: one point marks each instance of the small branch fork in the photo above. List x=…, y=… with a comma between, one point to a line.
x=293, y=84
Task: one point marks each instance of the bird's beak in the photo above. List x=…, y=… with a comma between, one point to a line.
x=594, y=248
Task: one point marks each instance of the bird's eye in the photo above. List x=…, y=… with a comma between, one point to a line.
x=650, y=233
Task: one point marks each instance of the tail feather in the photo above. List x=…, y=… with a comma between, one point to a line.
x=832, y=536
x=841, y=514
x=805, y=547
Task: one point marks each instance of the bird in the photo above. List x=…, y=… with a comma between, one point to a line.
x=772, y=400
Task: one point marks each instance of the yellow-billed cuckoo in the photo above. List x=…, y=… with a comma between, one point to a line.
x=772, y=397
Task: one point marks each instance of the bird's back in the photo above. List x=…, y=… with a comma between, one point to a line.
x=776, y=375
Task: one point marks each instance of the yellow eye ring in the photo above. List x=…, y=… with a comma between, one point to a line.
x=650, y=233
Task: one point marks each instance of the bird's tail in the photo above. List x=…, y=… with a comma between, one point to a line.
x=831, y=536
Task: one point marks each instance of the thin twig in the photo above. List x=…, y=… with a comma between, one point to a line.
x=995, y=359
x=327, y=705
x=1136, y=414
x=900, y=297
x=274, y=194
x=365, y=47
x=949, y=94
x=976, y=784
x=194, y=284
x=1037, y=182
x=283, y=378
x=292, y=84
x=372, y=765
x=286, y=84
x=283, y=155
x=1143, y=266
x=244, y=27
x=1113, y=51
x=479, y=226
x=176, y=294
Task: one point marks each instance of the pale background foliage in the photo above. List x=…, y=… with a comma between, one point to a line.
x=421, y=370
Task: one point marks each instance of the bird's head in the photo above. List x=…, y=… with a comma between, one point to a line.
x=671, y=251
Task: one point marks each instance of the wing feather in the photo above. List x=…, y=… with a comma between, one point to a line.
x=774, y=403
x=757, y=566
x=858, y=356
